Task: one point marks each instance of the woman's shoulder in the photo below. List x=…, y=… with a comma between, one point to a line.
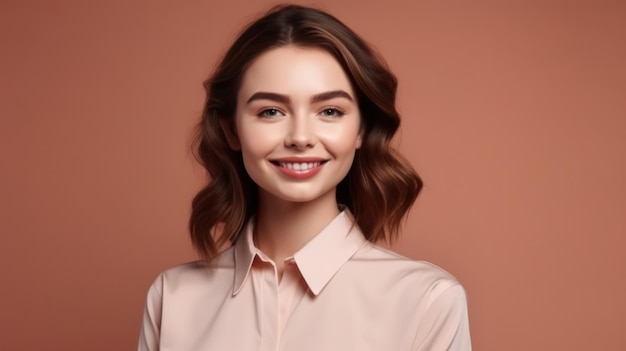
x=379, y=263
x=196, y=273
x=421, y=295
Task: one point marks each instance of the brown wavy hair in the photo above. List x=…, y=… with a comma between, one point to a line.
x=380, y=187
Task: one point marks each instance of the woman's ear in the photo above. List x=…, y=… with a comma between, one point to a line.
x=359, y=138
x=230, y=132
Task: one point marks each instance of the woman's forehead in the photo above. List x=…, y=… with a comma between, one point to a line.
x=294, y=71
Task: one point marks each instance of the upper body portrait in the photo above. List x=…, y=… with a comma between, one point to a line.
x=302, y=182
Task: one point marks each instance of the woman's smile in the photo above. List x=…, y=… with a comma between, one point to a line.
x=299, y=168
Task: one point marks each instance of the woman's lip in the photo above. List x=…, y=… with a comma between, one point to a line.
x=295, y=170
x=299, y=159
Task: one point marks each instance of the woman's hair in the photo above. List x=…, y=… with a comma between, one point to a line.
x=380, y=187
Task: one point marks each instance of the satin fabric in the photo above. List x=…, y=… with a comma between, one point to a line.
x=339, y=292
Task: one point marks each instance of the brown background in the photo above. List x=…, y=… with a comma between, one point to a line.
x=514, y=114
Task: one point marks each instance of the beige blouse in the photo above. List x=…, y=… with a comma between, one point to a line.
x=339, y=292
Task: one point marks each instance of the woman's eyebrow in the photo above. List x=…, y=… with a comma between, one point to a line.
x=331, y=95
x=263, y=95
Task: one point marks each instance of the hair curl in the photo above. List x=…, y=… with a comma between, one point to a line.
x=380, y=187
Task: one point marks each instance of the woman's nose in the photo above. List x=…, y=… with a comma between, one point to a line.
x=301, y=133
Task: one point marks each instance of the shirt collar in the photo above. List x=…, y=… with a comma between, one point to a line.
x=318, y=261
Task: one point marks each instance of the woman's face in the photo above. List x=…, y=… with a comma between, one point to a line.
x=297, y=123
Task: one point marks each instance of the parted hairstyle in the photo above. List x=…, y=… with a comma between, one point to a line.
x=379, y=188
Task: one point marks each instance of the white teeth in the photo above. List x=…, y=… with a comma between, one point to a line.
x=299, y=166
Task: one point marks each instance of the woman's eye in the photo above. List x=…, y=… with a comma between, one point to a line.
x=270, y=112
x=332, y=112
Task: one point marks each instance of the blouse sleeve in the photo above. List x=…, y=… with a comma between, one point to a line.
x=151, y=324
x=445, y=325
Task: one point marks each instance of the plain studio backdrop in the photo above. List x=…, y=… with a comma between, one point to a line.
x=514, y=113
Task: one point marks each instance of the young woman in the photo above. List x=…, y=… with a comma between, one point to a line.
x=295, y=137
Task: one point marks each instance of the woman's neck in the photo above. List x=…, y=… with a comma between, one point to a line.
x=283, y=227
